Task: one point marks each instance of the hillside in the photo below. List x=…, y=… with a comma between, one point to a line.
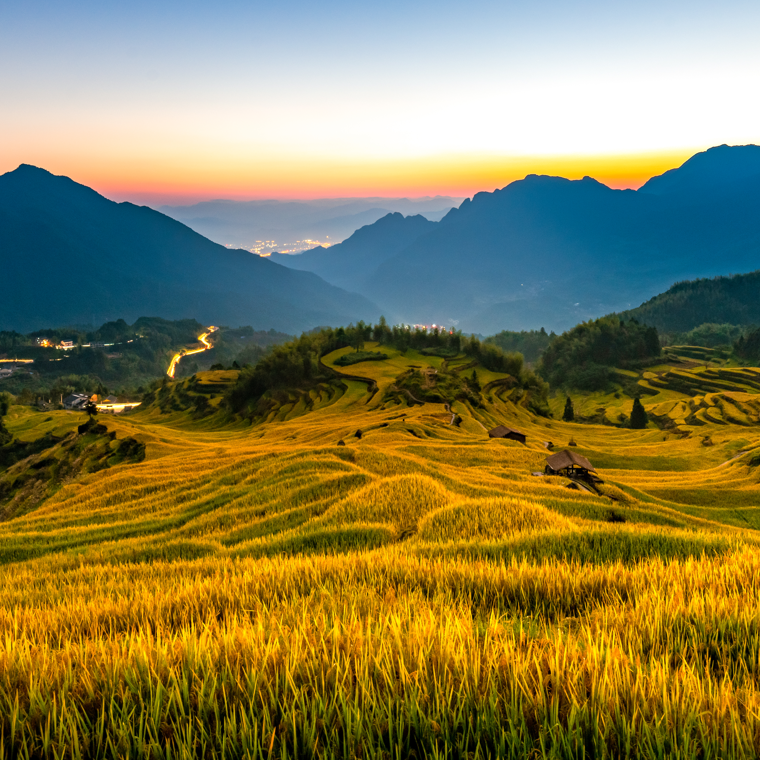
x=355, y=545
x=70, y=256
x=687, y=305
x=550, y=252
x=689, y=398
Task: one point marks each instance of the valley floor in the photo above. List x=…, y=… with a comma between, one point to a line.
x=357, y=577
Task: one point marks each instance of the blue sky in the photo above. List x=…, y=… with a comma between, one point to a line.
x=249, y=94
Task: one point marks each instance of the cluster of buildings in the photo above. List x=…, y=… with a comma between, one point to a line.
x=268, y=247
x=106, y=405
x=75, y=402
x=9, y=366
x=67, y=345
x=429, y=328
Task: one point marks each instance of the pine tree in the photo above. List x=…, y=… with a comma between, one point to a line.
x=639, y=416
x=569, y=413
x=474, y=382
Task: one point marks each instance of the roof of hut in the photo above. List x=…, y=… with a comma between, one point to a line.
x=502, y=431
x=566, y=458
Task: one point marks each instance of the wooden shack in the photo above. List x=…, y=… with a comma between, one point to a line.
x=504, y=432
x=571, y=465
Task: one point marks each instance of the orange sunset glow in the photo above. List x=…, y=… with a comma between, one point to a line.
x=248, y=102
x=455, y=175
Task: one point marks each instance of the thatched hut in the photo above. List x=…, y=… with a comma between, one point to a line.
x=570, y=464
x=509, y=433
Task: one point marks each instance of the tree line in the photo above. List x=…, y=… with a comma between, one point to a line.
x=530, y=343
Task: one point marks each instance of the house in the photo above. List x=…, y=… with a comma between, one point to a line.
x=66, y=344
x=111, y=405
x=504, y=432
x=76, y=401
x=571, y=465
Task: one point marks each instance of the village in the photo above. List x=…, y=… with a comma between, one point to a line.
x=77, y=402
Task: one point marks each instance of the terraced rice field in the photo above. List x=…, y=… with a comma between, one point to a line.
x=264, y=591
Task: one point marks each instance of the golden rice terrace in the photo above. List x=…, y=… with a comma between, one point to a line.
x=365, y=573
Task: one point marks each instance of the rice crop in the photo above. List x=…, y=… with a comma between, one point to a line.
x=262, y=591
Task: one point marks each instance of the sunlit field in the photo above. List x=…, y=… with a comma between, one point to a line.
x=358, y=576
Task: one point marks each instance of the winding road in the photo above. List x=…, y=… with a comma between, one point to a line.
x=203, y=338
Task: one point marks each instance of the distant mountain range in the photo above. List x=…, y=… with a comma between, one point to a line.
x=551, y=252
x=70, y=256
x=542, y=252
x=242, y=223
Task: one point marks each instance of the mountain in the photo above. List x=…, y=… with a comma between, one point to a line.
x=718, y=169
x=350, y=263
x=551, y=252
x=70, y=256
x=242, y=223
x=720, y=300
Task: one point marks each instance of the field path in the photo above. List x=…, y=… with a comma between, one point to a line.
x=733, y=459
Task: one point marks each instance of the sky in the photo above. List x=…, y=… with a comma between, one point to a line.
x=171, y=102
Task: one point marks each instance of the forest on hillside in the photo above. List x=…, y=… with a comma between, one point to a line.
x=530, y=343
x=585, y=356
x=687, y=305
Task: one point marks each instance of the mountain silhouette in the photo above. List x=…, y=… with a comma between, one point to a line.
x=351, y=262
x=551, y=252
x=71, y=256
x=714, y=171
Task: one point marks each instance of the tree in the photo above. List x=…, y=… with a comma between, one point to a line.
x=569, y=414
x=474, y=382
x=91, y=408
x=639, y=416
x=382, y=332
x=5, y=436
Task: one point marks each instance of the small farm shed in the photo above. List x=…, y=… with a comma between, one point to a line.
x=570, y=464
x=504, y=432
